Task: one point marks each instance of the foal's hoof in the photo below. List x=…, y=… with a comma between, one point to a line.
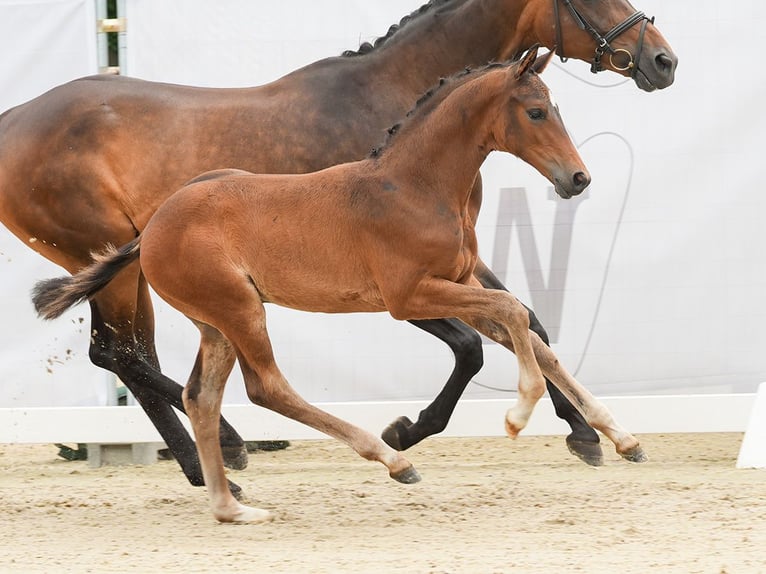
x=245, y=515
x=234, y=457
x=396, y=436
x=635, y=454
x=512, y=429
x=588, y=452
x=408, y=476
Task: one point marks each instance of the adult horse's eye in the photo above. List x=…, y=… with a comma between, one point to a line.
x=536, y=114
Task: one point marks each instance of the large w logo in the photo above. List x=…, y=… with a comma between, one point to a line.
x=514, y=212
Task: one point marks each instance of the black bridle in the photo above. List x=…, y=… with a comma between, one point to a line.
x=602, y=42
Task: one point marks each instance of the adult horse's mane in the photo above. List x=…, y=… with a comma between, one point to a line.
x=419, y=109
x=367, y=47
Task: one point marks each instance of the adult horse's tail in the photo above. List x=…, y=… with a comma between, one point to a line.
x=52, y=297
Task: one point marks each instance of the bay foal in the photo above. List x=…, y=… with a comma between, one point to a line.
x=390, y=233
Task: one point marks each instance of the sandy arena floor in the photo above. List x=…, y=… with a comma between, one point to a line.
x=484, y=506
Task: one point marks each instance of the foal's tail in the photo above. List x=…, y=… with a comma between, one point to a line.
x=52, y=297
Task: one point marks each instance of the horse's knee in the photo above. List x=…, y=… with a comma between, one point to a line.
x=519, y=315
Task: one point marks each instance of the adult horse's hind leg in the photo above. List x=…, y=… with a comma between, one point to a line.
x=465, y=344
x=234, y=451
x=114, y=347
x=595, y=413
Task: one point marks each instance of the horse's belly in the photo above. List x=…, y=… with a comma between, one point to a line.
x=339, y=302
x=321, y=293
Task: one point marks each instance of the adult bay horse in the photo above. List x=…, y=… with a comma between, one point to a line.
x=89, y=162
x=393, y=232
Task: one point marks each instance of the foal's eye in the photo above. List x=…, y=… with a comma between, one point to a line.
x=536, y=114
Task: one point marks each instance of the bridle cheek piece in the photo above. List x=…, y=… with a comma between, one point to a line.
x=603, y=42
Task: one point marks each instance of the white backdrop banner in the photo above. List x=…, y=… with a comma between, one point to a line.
x=649, y=283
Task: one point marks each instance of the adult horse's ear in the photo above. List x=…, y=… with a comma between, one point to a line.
x=527, y=61
x=542, y=61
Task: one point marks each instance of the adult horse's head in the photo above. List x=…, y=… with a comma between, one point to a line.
x=611, y=34
x=534, y=131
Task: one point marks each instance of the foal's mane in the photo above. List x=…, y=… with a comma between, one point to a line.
x=367, y=47
x=428, y=101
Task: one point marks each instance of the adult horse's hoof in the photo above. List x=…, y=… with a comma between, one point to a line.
x=396, y=436
x=408, y=476
x=588, y=452
x=234, y=457
x=236, y=490
x=635, y=454
x=266, y=445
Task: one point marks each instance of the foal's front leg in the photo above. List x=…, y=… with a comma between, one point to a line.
x=593, y=411
x=497, y=314
x=530, y=389
x=583, y=441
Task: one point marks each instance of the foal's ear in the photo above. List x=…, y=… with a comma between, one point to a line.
x=541, y=62
x=530, y=62
x=527, y=61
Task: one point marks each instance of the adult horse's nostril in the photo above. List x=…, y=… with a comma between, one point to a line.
x=665, y=63
x=581, y=181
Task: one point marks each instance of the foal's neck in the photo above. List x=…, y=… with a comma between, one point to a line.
x=444, y=142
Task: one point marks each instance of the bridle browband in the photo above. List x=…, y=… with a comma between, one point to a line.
x=602, y=42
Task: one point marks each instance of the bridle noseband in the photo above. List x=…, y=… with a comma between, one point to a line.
x=602, y=42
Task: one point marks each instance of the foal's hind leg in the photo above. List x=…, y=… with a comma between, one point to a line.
x=243, y=325
x=267, y=387
x=202, y=397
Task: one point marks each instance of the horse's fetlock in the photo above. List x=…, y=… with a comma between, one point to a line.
x=430, y=424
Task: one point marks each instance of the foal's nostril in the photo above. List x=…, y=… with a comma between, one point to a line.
x=581, y=180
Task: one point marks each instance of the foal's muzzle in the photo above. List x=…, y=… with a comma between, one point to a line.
x=571, y=186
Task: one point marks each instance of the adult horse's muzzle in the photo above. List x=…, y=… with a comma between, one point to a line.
x=656, y=69
x=569, y=186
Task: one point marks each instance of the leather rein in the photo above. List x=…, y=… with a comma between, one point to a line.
x=602, y=42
